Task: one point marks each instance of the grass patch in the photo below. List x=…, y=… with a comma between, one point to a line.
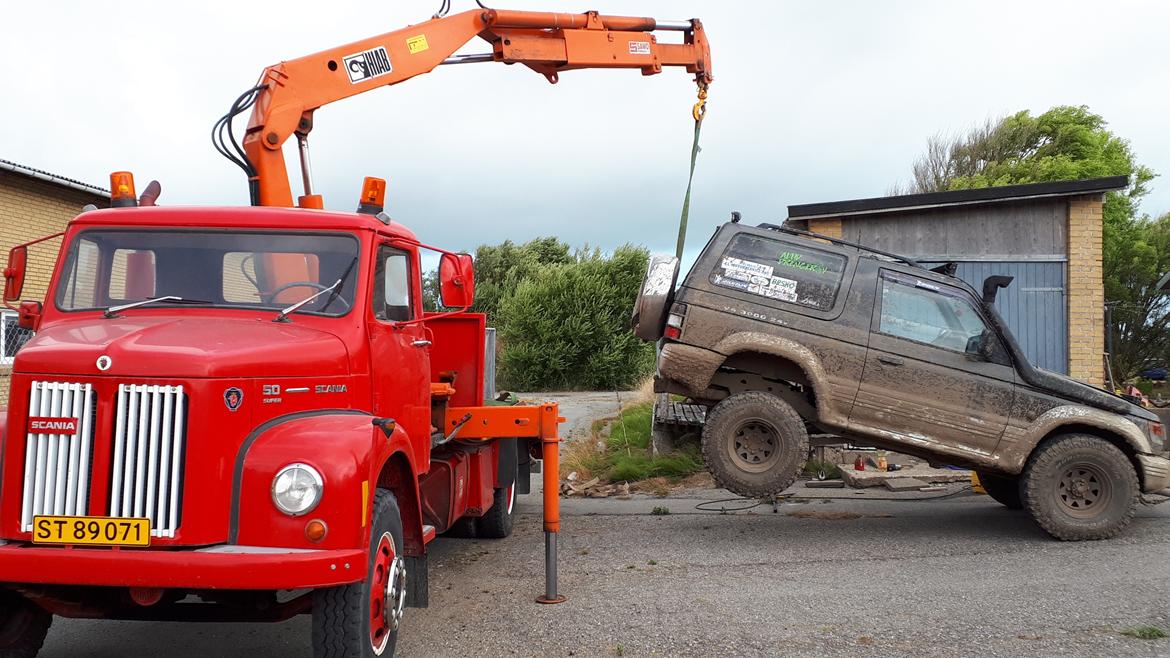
x=1145, y=632
x=813, y=467
x=619, y=451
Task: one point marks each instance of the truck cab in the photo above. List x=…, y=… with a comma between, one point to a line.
x=233, y=402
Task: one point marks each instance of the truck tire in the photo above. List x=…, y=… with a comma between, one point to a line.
x=754, y=444
x=362, y=619
x=655, y=297
x=23, y=626
x=497, y=523
x=1079, y=487
x=1003, y=489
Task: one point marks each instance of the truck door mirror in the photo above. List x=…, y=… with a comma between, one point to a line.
x=456, y=280
x=14, y=273
x=30, y=316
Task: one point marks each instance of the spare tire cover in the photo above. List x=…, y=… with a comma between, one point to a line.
x=655, y=297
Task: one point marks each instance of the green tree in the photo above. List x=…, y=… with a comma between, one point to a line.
x=498, y=269
x=1067, y=143
x=567, y=325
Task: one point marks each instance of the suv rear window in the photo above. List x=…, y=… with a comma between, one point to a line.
x=780, y=270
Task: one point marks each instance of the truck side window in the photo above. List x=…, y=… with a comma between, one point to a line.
x=392, y=286
x=926, y=313
x=80, y=288
x=783, y=271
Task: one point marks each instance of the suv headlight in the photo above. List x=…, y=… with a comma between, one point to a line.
x=296, y=489
x=1157, y=433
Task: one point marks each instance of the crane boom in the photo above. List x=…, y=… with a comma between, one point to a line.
x=548, y=43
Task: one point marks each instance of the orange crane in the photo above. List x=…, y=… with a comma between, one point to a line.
x=288, y=93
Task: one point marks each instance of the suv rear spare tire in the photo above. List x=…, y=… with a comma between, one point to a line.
x=754, y=444
x=654, y=297
x=1079, y=487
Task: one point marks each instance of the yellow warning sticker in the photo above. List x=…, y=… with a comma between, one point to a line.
x=417, y=44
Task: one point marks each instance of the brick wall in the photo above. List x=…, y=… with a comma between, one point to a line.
x=1086, y=291
x=30, y=209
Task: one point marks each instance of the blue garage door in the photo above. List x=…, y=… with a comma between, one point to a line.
x=1033, y=306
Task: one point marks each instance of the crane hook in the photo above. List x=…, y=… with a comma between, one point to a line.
x=700, y=109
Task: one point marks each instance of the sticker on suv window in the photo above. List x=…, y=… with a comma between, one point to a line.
x=755, y=278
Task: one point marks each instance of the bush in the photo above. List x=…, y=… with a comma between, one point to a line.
x=566, y=326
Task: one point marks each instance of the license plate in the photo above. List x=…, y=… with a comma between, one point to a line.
x=91, y=530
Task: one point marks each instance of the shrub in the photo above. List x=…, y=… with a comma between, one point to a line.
x=566, y=326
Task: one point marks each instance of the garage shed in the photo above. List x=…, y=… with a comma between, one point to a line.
x=1046, y=235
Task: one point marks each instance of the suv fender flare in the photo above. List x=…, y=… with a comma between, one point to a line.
x=803, y=357
x=1018, y=444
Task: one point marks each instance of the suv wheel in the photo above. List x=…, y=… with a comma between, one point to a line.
x=1079, y=487
x=754, y=444
x=1003, y=489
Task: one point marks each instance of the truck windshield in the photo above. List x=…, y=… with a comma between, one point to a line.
x=224, y=269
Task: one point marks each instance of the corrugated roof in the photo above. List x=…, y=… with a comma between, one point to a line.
x=985, y=195
x=55, y=179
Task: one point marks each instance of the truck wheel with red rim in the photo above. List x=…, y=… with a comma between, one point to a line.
x=1080, y=487
x=754, y=444
x=497, y=523
x=23, y=626
x=362, y=619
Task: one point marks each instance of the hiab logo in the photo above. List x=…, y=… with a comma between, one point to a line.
x=370, y=64
x=39, y=425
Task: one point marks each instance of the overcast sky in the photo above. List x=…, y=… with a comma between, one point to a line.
x=812, y=101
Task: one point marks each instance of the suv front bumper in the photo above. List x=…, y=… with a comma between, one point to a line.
x=214, y=567
x=1155, y=473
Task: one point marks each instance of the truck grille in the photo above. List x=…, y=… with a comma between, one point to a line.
x=149, y=433
x=56, y=465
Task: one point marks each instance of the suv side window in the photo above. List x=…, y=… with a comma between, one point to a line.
x=793, y=273
x=928, y=313
x=392, y=298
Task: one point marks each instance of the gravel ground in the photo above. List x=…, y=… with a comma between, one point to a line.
x=844, y=574
x=851, y=577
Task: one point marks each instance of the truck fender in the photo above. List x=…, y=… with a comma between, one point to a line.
x=395, y=471
x=1017, y=445
x=342, y=445
x=803, y=357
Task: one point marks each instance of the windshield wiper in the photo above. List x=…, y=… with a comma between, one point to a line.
x=283, y=315
x=112, y=312
x=337, y=289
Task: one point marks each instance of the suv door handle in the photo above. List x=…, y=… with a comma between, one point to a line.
x=421, y=343
x=891, y=360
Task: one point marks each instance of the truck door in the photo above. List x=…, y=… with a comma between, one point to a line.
x=924, y=382
x=399, y=357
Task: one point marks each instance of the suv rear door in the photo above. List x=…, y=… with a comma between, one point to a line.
x=924, y=382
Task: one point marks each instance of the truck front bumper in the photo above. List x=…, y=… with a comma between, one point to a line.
x=215, y=567
x=1155, y=473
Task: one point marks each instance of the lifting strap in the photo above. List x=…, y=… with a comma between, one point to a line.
x=699, y=111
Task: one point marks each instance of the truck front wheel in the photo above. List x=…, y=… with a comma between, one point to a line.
x=23, y=626
x=1079, y=487
x=754, y=444
x=362, y=619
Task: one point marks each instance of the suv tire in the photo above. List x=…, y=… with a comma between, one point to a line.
x=1003, y=489
x=654, y=297
x=1079, y=487
x=754, y=444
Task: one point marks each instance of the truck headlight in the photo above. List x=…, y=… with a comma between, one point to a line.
x=296, y=489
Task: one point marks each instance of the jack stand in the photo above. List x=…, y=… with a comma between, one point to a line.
x=552, y=503
x=550, y=595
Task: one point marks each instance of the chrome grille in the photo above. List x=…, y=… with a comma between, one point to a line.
x=149, y=433
x=56, y=465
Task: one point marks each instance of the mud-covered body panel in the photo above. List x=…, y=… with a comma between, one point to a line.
x=943, y=400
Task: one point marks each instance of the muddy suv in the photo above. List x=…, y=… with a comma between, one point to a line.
x=781, y=332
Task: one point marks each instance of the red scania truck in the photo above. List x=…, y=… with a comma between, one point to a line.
x=245, y=413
